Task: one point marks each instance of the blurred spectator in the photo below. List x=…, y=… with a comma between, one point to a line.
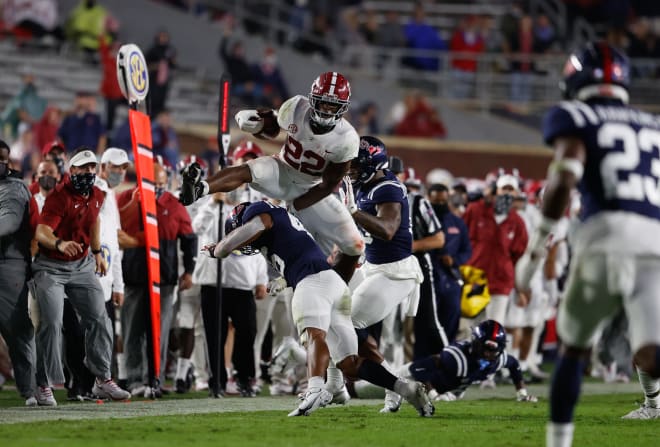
x=545, y=35
x=164, y=139
x=83, y=126
x=314, y=40
x=522, y=68
x=161, y=59
x=420, y=119
x=27, y=106
x=367, y=120
x=85, y=24
x=121, y=137
x=268, y=74
x=509, y=26
x=24, y=148
x=369, y=26
x=466, y=39
x=46, y=129
x=33, y=19
x=109, y=85
x=644, y=45
x=243, y=79
x=354, y=45
x=420, y=35
x=390, y=33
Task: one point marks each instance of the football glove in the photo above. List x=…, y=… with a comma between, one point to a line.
x=523, y=396
x=249, y=121
x=276, y=286
x=348, y=197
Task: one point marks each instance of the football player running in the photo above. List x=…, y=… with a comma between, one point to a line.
x=391, y=275
x=315, y=156
x=321, y=303
x=463, y=363
x=610, y=151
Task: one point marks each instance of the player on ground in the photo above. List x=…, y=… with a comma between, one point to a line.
x=321, y=302
x=610, y=151
x=318, y=149
x=463, y=363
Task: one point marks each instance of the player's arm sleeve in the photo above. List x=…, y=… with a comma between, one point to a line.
x=53, y=210
x=511, y=363
x=465, y=247
x=188, y=240
x=286, y=111
x=241, y=236
x=565, y=119
x=12, y=211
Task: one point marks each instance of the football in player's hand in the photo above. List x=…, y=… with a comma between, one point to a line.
x=271, y=128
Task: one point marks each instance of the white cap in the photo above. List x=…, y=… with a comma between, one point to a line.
x=507, y=180
x=82, y=158
x=115, y=156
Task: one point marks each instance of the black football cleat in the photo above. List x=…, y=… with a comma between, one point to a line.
x=191, y=187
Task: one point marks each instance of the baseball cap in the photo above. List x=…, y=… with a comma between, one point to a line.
x=507, y=180
x=52, y=145
x=82, y=158
x=115, y=156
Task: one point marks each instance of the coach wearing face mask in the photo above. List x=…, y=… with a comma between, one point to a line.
x=173, y=225
x=499, y=238
x=69, y=258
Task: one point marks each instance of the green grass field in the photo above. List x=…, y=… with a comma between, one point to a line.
x=486, y=418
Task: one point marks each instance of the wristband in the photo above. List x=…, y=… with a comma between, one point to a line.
x=96, y=252
x=57, y=244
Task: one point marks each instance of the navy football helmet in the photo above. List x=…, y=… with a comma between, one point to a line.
x=372, y=157
x=596, y=70
x=234, y=221
x=488, y=340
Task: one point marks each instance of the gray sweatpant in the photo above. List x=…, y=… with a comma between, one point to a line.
x=134, y=331
x=53, y=279
x=15, y=324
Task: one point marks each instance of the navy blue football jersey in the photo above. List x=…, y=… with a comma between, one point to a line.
x=386, y=189
x=622, y=165
x=289, y=248
x=457, y=368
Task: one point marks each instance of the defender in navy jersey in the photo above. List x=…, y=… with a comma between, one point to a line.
x=321, y=303
x=463, y=363
x=391, y=275
x=611, y=153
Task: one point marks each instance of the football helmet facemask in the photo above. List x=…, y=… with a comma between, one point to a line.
x=329, y=98
x=372, y=157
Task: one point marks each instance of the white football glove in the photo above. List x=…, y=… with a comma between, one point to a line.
x=348, y=196
x=523, y=396
x=276, y=286
x=249, y=121
x=529, y=263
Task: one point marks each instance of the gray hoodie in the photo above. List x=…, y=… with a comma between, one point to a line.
x=15, y=231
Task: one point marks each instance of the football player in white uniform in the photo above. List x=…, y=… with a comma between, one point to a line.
x=316, y=154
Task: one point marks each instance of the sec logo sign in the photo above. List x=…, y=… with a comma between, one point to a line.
x=132, y=73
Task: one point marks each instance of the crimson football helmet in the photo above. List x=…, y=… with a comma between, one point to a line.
x=329, y=97
x=246, y=147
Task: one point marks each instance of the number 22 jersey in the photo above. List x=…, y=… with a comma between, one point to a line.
x=619, y=190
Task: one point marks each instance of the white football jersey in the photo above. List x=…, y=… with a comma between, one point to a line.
x=309, y=153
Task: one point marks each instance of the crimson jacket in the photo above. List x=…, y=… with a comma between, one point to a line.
x=173, y=223
x=495, y=248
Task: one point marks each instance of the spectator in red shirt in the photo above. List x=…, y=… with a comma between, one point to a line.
x=499, y=238
x=466, y=39
x=420, y=120
x=109, y=85
x=68, y=229
x=173, y=225
x=45, y=131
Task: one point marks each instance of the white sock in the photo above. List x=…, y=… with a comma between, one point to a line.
x=523, y=365
x=651, y=389
x=121, y=367
x=182, y=366
x=205, y=187
x=299, y=354
x=315, y=382
x=559, y=435
x=401, y=387
x=334, y=379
